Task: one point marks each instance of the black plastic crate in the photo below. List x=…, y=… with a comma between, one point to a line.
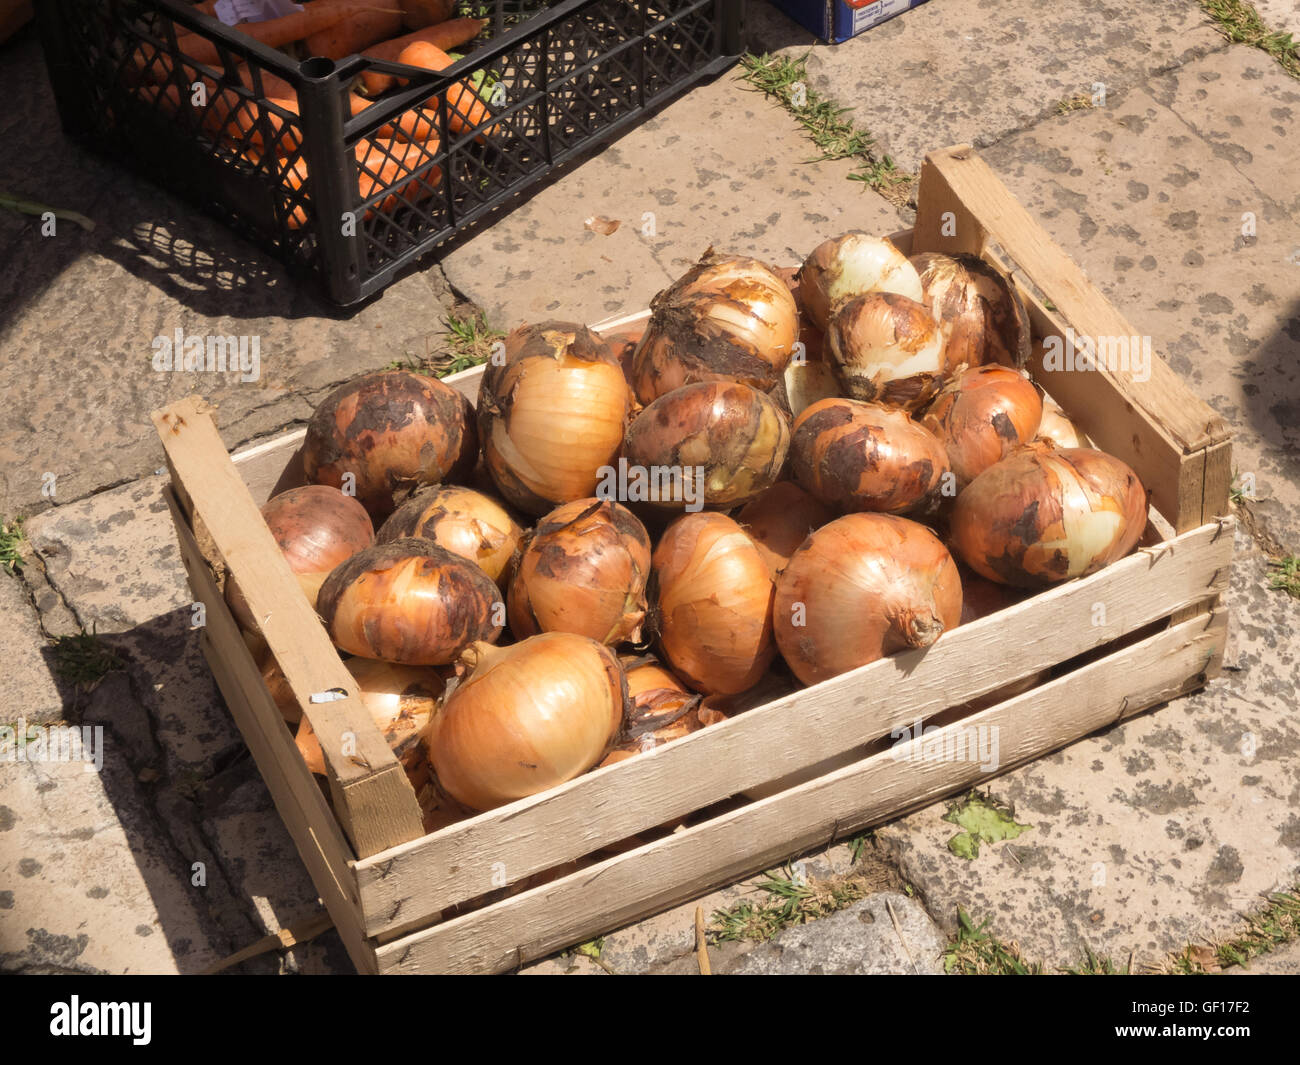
x=327, y=191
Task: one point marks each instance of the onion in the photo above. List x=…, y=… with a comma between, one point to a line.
x=401, y=700
x=853, y=265
x=621, y=344
x=663, y=710
x=583, y=571
x=979, y=312
x=780, y=520
x=713, y=602
x=393, y=431
x=728, y=319
x=862, y=456
x=552, y=414
x=316, y=527
x=526, y=718
x=714, y=444
x=409, y=601
x=860, y=588
x=1057, y=427
x=888, y=349
x=981, y=416
x=804, y=383
x=1043, y=515
x=465, y=522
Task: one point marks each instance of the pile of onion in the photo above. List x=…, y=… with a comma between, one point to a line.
x=713, y=602
x=316, y=527
x=979, y=313
x=584, y=570
x=862, y=456
x=409, y=601
x=385, y=434
x=728, y=319
x=981, y=416
x=780, y=520
x=863, y=587
x=853, y=265
x=401, y=700
x=1045, y=514
x=464, y=522
x=526, y=717
x=888, y=349
x=551, y=414
x=732, y=439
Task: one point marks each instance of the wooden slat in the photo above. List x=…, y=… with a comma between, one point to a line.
x=602, y=807
x=372, y=797
x=303, y=809
x=957, y=180
x=689, y=863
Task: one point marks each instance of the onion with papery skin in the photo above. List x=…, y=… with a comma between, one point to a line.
x=465, y=522
x=621, y=343
x=1043, y=515
x=526, y=718
x=887, y=349
x=410, y=601
x=981, y=416
x=853, y=265
x=663, y=710
x=315, y=527
x=1057, y=427
x=862, y=456
x=780, y=520
x=728, y=319
x=401, y=701
x=393, y=431
x=981, y=316
x=804, y=383
x=723, y=443
x=583, y=570
x=713, y=603
x=863, y=587
x=551, y=414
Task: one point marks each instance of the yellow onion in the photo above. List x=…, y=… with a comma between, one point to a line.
x=728, y=319
x=887, y=349
x=715, y=444
x=384, y=434
x=401, y=701
x=780, y=520
x=713, y=603
x=1057, y=427
x=316, y=527
x=551, y=414
x=862, y=456
x=804, y=382
x=410, y=601
x=621, y=343
x=981, y=416
x=863, y=587
x=981, y=316
x=465, y=522
x=663, y=710
x=853, y=265
x=526, y=718
x=584, y=570
x=1043, y=515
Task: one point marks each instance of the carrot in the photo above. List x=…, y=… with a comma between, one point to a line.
x=231, y=117
x=465, y=111
x=272, y=84
x=386, y=162
x=445, y=35
x=417, y=124
x=355, y=33
x=416, y=14
x=316, y=16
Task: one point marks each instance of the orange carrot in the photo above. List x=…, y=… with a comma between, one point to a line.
x=386, y=162
x=231, y=117
x=315, y=17
x=465, y=111
x=417, y=124
x=445, y=35
x=353, y=34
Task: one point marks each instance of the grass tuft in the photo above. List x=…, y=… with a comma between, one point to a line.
x=835, y=136
x=1080, y=101
x=11, y=546
x=977, y=952
x=466, y=342
x=789, y=901
x=1286, y=576
x=84, y=659
x=1240, y=23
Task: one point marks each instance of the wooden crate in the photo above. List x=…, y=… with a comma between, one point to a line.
x=408, y=902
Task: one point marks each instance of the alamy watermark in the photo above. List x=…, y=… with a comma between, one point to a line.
x=1131, y=354
x=629, y=483
x=208, y=353
x=933, y=743
x=21, y=742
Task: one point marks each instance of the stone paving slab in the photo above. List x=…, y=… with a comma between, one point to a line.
x=950, y=72
x=1148, y=836
x=722, y=166
x=30, y=685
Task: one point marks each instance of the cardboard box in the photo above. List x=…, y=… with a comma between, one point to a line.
x=838, y=20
